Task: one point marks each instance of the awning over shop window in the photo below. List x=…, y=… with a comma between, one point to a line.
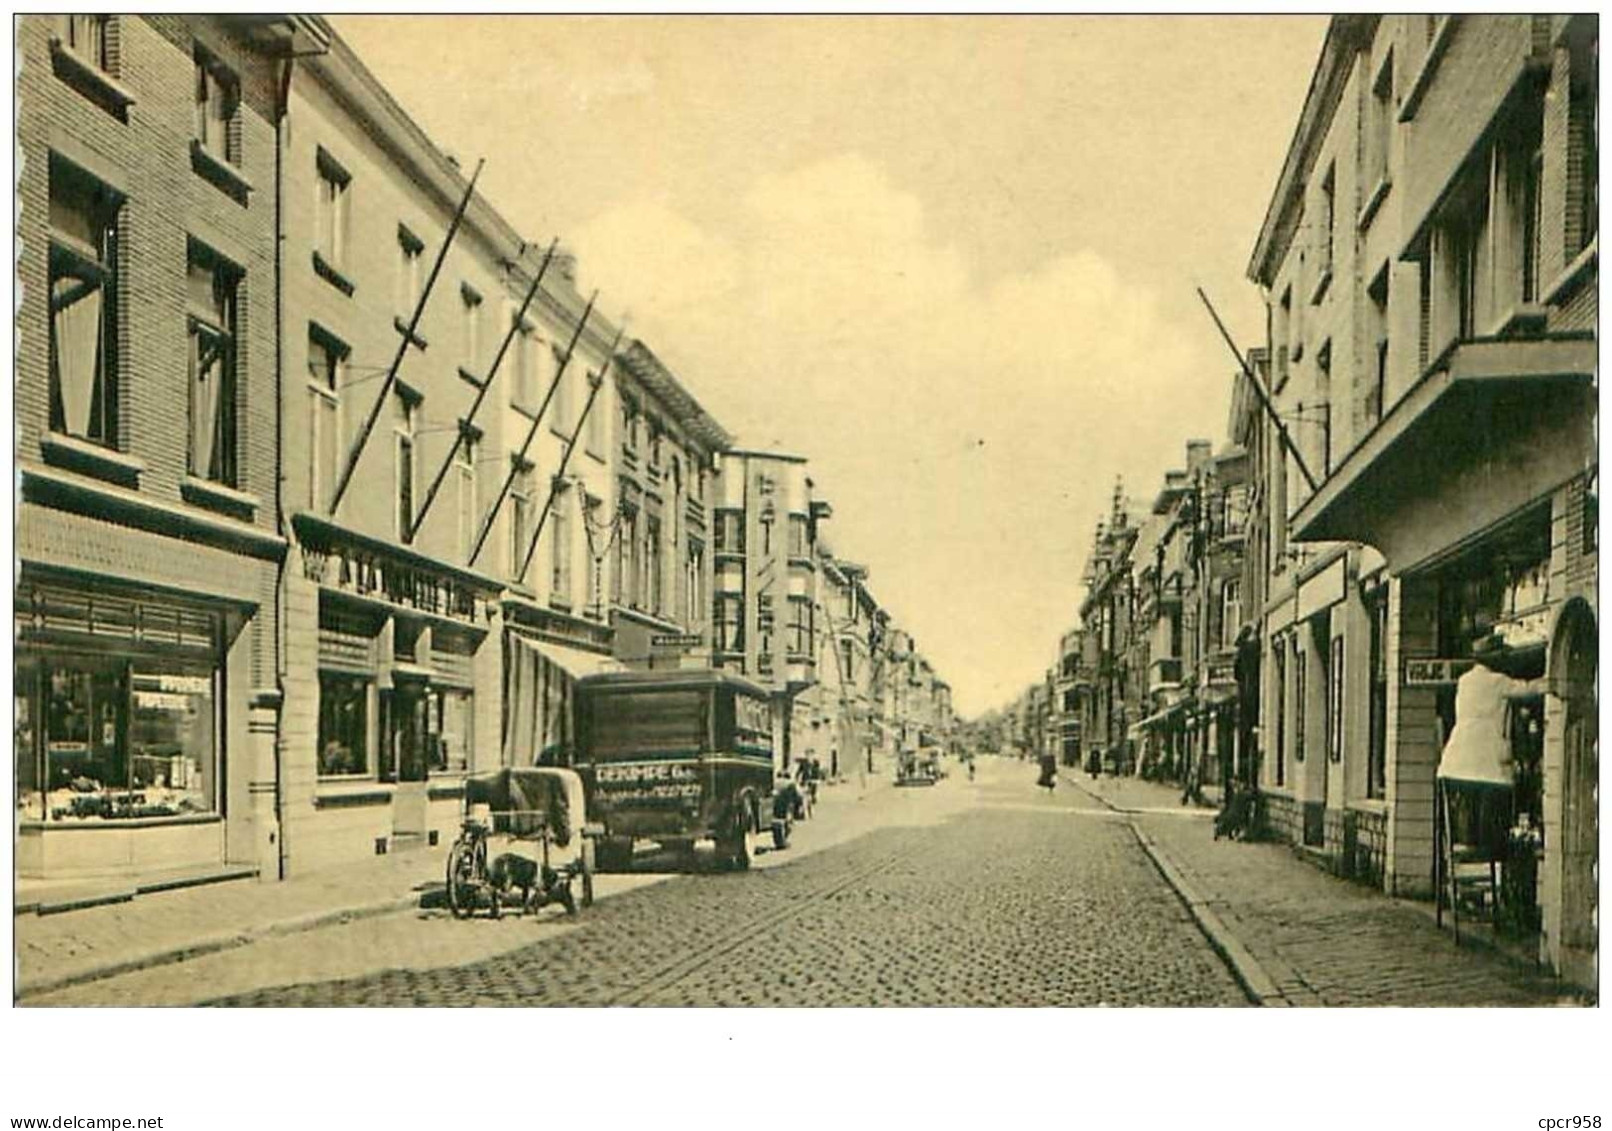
x=537, y=697
x=1160, y=716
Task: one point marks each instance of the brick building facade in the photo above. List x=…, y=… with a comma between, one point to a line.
x=146, y=437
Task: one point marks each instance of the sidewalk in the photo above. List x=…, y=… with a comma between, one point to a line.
x=101, y=941
x=1135, y=795
x=170, y=926
x=1296, y=935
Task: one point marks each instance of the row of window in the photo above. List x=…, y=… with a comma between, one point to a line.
x=216, y=96
x=635, y=423
x=1483, y=259
x=641, y=565
x=730, y=533
x=1290, y=661
x=534, y=365
x=370, y=734
x=84, y=328
x=799, y=631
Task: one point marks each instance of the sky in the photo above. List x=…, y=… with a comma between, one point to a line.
x=951, y=260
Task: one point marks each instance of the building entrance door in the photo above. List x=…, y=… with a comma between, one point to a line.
x=405, y=727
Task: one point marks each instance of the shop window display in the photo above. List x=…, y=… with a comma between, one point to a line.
x=343, y=726
x=105, y=739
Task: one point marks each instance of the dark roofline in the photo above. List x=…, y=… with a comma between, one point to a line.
x=651, y=372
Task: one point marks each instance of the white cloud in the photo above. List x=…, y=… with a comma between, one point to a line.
x=967, y=431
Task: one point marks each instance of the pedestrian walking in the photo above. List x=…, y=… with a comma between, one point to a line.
x=1049, y=772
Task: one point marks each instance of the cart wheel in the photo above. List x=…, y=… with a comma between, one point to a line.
x=461, y=880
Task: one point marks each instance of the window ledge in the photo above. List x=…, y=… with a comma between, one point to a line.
x=1373, y=202
x=331, y=793
x=90, y=81
x=328, y=272
x=220, y=172
x=416, y=339
x=217, y=496
x=600, y=456
x=524, y=409
x=1574, y=274
x=1424, y=74
x=466, y=375
x=62, y=450
x=104, y=823
x=559, y=431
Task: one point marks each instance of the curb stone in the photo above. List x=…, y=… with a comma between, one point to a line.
x=1255, y=980
x=197, y=948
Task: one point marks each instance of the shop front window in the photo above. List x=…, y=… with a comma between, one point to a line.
x=173, y=732
x=343, y=725
x=108, y=739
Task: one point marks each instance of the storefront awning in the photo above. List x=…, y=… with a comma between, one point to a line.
x=1500, y=422
x=574, y=661
x=1160, y=716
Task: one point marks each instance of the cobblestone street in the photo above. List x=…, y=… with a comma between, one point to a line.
x=987, y=894
x=995, y=907
x=964, y=894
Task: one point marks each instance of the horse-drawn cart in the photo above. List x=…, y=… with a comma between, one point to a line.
x=523, y=828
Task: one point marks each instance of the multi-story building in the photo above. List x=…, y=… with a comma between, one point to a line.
x=765, y=590
x=1164, y=625
x=393, y=666
x=850, y=665
x=1188, y=562
x=551, y=463
x=1431, y=249
x=1107, y=612
x=663, y=564
x=1071, y=690
x=147, y=427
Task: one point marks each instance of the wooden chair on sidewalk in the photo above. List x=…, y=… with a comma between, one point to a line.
x=1472, y=824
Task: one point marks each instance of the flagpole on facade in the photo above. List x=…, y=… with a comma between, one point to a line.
x=597, y=383
x=481, y=393
x=531, y=433
x=410, y=337
x=1259, y=391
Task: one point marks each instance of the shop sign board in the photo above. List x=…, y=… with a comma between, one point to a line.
x=675, y=640
x=1434, y=673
